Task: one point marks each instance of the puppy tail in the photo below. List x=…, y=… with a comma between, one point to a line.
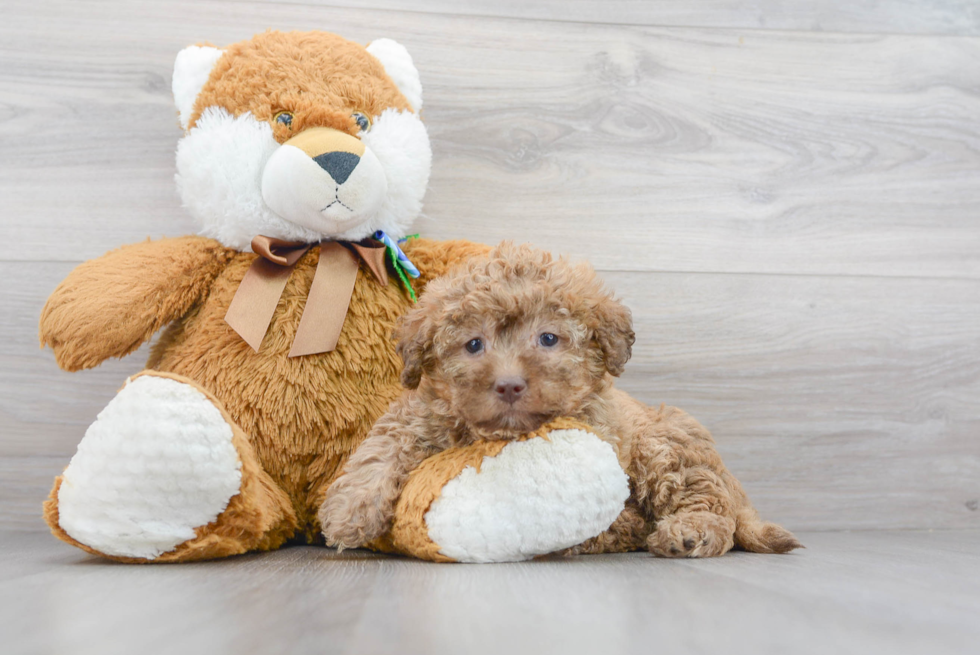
x=757, y=536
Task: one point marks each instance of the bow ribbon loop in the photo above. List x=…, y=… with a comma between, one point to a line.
x=277, y=251
x=251, y=310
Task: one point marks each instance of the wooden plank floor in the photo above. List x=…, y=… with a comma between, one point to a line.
x=859, y=592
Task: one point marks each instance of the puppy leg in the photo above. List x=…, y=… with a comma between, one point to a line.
x=698, y=519
x=360, y=504
x=700, y=508
x=627, y=533
x=681, y=483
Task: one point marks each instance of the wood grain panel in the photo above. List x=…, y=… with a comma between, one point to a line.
x=868, y=16
x=669, y=149
x=43, y=410
x=781, y=208
x=25, y=483
x=839, y=402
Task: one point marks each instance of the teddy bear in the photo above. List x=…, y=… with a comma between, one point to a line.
x=304, y=161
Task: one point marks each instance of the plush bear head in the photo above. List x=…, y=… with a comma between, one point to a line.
x=301, y=136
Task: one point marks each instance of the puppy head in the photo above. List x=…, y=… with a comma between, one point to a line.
x=511, y=341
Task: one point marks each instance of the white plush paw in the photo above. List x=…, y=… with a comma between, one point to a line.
x=157, y=463
x=535, y=497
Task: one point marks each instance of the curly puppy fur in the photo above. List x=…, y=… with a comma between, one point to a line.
x=502, y=345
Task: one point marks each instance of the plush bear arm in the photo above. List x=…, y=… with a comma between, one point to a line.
x=108, y=306
x=434, y=258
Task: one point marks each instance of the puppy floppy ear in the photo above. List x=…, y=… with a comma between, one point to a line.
x=614, y=334
x=414, y=334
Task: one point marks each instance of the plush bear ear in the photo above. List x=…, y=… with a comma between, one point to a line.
x=191, y=70
x=398, y=64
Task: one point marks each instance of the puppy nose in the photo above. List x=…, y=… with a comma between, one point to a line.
x=338, y=164
x=510, y=389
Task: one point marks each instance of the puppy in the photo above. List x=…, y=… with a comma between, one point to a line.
x=503, y=344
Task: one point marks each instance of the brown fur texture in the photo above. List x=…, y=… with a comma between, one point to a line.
x=684, y=501
x=297, y=418
x=316, y=76
x=147, y=285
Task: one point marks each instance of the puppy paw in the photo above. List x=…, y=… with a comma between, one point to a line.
x=693, y=534
x=351, y=520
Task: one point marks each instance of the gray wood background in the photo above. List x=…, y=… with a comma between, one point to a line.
x=858, y=593
x=786, y=193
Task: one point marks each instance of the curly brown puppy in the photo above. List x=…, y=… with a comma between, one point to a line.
x=500, y=346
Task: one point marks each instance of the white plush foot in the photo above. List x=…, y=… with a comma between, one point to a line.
x=157, y=463
x=537, y=496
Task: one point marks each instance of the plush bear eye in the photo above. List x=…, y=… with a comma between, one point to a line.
x=548, y=340
x=283, y=118
x=473, y=346
x=362, y=121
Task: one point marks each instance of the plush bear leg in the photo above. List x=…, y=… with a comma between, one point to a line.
x=500, y=501
x=165, y=475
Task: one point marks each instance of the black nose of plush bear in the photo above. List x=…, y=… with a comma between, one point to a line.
x=338, y=164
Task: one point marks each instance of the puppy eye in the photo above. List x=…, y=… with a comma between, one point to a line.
x=283, y=118
x=548, y=340
x=362, y=121
x=473, y=346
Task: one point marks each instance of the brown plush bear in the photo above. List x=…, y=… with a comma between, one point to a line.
x=228, y=439
x=305, y=162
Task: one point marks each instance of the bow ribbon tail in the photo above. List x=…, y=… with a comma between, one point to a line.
x=255, y=301
x=328, y=301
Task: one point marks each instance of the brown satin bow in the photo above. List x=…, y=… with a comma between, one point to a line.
x=254, y=304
